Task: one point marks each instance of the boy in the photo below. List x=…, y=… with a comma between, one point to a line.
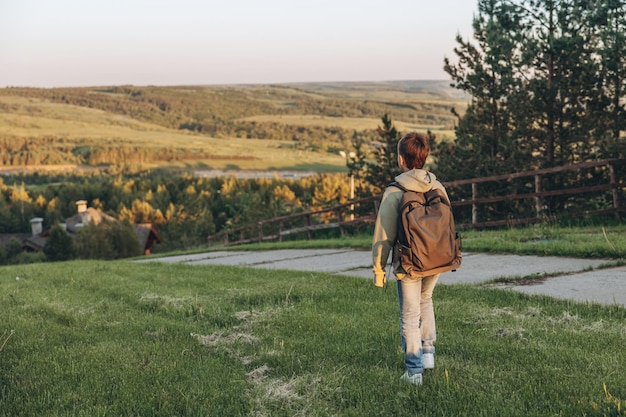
x=417, y=317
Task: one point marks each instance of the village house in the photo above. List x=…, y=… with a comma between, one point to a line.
x=146, y=233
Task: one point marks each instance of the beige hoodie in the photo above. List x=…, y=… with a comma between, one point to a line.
x=386, y=226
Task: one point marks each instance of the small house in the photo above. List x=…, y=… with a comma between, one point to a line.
x=37, y=240
x=146, y=233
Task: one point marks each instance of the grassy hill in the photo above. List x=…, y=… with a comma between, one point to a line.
x=96, y=338
x=300, y=126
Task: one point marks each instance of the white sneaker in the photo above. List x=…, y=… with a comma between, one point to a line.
x=428, y=360
x=415, y=379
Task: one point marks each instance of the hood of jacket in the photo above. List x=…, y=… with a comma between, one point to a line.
x=418, y=180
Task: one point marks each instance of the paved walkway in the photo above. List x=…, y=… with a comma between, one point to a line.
x=570, y=278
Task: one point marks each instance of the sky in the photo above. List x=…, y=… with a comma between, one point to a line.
x=66, y=43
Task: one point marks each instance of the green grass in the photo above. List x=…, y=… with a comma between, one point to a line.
x=586, y=242
x=125, y=339
x=543, y=240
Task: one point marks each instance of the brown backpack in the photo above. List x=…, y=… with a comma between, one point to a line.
x=427, y=242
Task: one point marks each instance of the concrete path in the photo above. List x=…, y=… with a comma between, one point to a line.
x=570, y=278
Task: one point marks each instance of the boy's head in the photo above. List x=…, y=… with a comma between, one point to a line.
x=413, y=150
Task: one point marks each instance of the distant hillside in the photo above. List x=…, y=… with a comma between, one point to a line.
x=241, y=126
x=433, y=89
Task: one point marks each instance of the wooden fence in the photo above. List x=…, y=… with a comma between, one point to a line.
x=532, y=196
x=354, y=213
x=501, y=200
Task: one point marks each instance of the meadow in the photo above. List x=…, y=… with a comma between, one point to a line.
x=255, y=127
x=358, y=124
x=33, y=117
x=118, y=338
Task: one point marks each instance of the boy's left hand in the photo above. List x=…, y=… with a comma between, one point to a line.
x=380, y=279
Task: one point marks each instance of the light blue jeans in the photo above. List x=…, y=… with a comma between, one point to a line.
x=417, y=320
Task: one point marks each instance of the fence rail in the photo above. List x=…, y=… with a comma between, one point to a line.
x=354, y=213
x=605, y=172
x=528, y=205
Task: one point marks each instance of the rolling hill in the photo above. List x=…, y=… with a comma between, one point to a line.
x=287, y=126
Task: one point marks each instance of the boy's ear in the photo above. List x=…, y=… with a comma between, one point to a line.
x=401, y=161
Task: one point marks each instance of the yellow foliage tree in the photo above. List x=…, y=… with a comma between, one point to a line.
x=19, y=195
x=331, y=189
x=40, y=201
x=285, y=199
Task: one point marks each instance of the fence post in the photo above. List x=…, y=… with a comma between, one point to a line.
x=280, y=231
x=260, y=232
x=308, y=224
x=538, y=201
x=340, y=221
x=474, y=206
x=614, y=190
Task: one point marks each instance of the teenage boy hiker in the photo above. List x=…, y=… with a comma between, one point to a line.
x=417, y=317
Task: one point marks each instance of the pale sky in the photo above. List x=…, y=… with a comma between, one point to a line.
x=55, y=43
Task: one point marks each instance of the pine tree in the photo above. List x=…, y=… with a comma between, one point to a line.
x=384, y=168
x=547, y=84
x=562, y=78
x=488, y=69
x=59, y=246
x=124, y=240
x=610, y=18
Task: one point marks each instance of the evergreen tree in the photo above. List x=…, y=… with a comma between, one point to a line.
x=6, y=219
x=562, y=78
x=59, y=246
x=124, y=240
x=489, y=70
x=21, y=207
x=547, y=84
x=92, y=243
x=610, y=18
x=357, y=164
x=107, y=240
x=12, y=249
x=384, y=168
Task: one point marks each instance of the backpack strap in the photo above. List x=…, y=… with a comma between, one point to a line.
x=397, y=185
x=432, y=193
x=435, y=190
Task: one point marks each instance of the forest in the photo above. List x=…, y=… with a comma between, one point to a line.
x=548, y=85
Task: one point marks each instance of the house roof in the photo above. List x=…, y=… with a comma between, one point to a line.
x=36, y=243
x=90, y=215
x=7, y=237
x=145, y=231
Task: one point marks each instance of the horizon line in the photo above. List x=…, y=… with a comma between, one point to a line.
x=6, y=86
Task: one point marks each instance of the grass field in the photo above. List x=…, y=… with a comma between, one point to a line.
x=406, y=91
x=95, y=338
x=162, y=119
x=588, y=241
x=38, y=118
x=359, y=124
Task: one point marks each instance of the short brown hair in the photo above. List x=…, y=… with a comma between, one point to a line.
x=414, y=149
